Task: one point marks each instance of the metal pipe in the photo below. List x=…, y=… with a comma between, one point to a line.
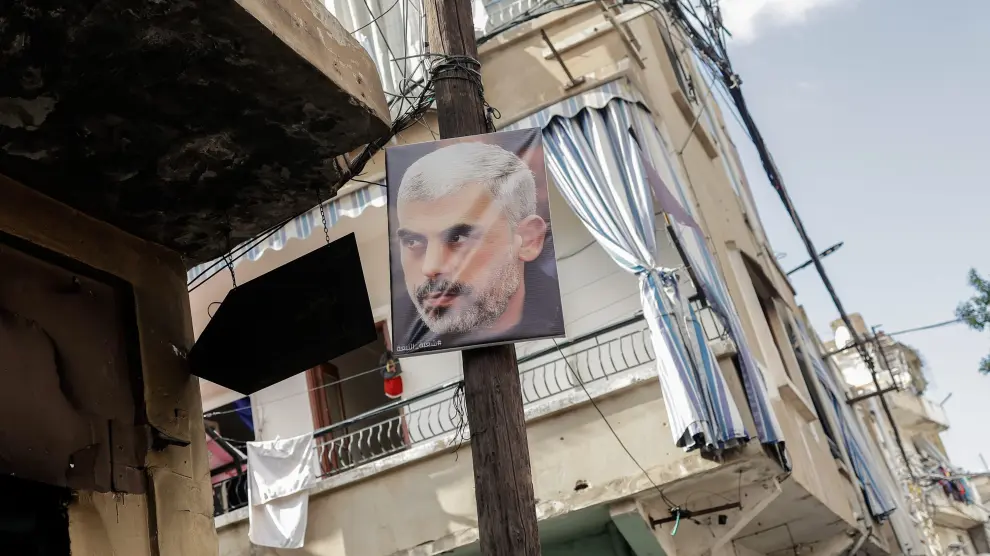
x=227, y=447
x=851, y=401
x=860, y=541
x=886, y=406
x=563, y=66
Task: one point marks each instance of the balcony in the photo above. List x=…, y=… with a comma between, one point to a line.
x=408, y=462
x=616, y=355
x=415, y=450
x=547, y=377
x=916, y=412
x=953, y=513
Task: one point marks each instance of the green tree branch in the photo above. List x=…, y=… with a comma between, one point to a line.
x=975, y=312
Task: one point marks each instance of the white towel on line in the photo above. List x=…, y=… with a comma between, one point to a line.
x=280, y=473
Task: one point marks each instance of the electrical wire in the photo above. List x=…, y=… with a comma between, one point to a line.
x=926, y=327
x=375, y=20
x=577, y=251
x=322, y=386
x=656, y=487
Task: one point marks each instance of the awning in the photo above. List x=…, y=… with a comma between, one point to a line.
x=350, y=205
x=601, y=146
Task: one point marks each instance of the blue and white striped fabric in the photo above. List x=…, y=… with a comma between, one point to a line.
x=350, y=205
x=879, y=500
x=595, y=163
x=692, y=240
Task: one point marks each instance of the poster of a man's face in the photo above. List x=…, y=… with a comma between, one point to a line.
x=471, y=254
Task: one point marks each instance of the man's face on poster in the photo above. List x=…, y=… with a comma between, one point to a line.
x=463, y=253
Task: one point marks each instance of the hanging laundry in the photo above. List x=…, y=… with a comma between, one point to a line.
x=280, y=474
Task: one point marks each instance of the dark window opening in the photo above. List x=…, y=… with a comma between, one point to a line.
x=34, y=519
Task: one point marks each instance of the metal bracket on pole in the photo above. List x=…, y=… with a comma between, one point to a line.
x=676, y=514
x=851, y=401
x=632, y=45
x=573, y=82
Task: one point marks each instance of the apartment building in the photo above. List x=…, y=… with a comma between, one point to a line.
x=941, y=500
x=782, y=466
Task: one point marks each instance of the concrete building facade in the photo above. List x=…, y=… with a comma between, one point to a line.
x=396, y=476
x=941, y=501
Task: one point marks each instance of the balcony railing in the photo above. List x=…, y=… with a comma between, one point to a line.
x=406, y=422
x=711, y=324
x=544, y=374
x=230, y=494
x=596, y=356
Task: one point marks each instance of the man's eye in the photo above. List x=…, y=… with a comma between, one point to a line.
x=459, y=238
x=411, y=243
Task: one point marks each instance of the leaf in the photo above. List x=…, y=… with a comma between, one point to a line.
x=976, y=311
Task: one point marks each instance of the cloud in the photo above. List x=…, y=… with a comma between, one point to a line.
x=745, y=19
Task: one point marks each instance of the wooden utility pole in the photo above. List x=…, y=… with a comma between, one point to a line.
x=503, y=478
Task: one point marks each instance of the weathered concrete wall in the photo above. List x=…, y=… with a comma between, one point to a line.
x=184, y=118
x=176, y=514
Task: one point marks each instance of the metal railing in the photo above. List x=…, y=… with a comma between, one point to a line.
x=395, y=427
x=599, y=355
x=711, y=323
x=230, y=494
x=389, y=429
x=544, y=373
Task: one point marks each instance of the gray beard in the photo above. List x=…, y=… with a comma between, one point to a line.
x=484, y=307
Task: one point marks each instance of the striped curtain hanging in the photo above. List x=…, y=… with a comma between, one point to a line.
x=673, y=199
x=878, y=498
x=594, y=160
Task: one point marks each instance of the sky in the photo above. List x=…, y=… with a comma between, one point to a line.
x=876, y=114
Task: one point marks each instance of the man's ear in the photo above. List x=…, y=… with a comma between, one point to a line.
x=532, y=231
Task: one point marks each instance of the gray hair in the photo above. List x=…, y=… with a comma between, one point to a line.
x=442, y=172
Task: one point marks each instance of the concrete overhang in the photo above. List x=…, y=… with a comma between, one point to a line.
x=178, y=120
x=957, y=515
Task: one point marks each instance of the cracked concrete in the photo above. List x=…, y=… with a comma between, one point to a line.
x=175, y=121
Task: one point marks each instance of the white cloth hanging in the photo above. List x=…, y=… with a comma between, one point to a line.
x=280, y=473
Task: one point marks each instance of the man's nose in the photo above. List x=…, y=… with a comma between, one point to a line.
x=434, y=260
